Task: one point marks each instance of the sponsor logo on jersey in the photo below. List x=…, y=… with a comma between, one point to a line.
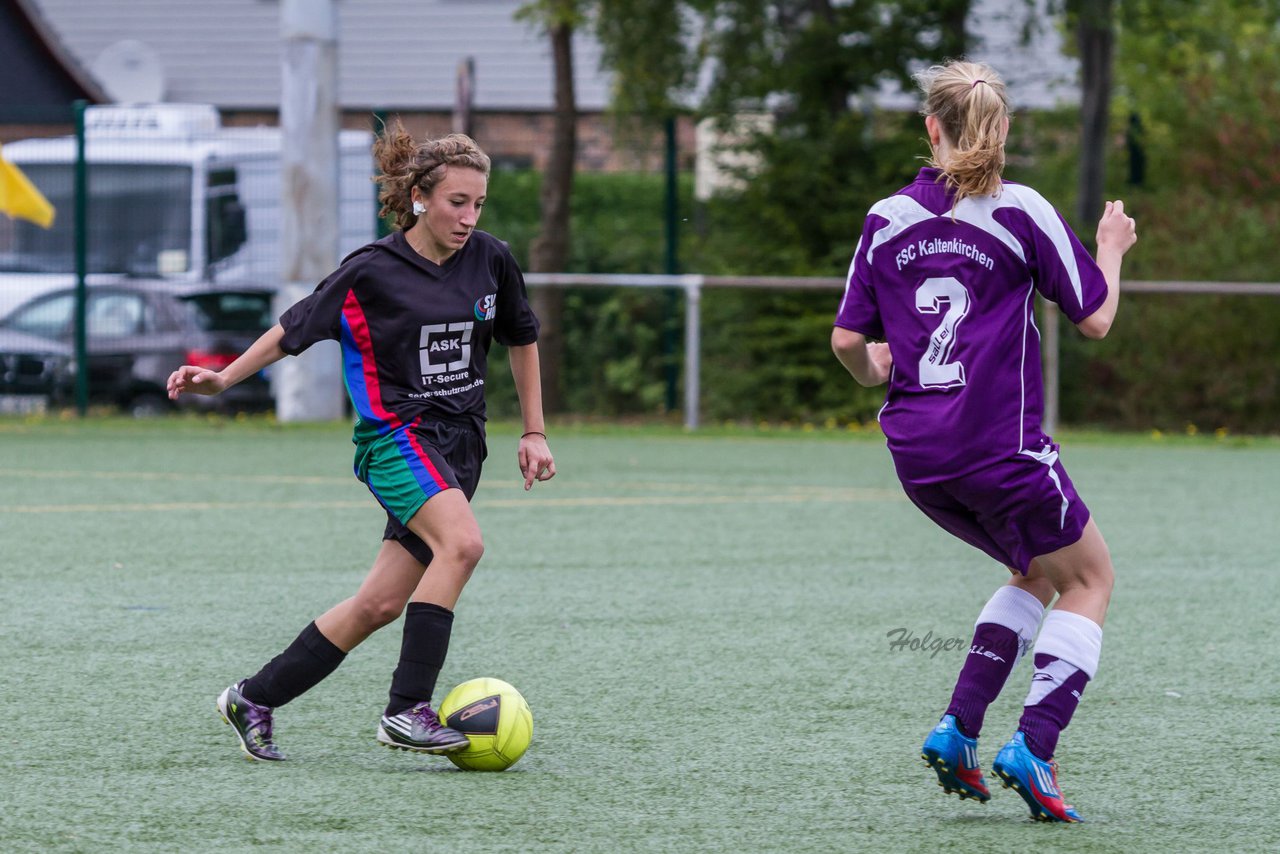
x=486, y=307
x=445, y=348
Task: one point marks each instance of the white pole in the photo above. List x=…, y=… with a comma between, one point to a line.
x=309, y=387
x=692, y=352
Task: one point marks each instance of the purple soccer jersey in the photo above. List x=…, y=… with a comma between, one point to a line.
x=952, y=293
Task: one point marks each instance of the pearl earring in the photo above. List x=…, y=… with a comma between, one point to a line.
x=419, y=208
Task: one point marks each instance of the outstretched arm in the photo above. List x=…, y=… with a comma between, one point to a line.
x=536, y=462
x=191, y=379
x=868, y=363
x=1116, y=233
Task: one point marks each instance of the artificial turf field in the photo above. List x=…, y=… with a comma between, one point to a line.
x=701, y=626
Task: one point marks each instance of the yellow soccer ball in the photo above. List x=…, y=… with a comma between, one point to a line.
x=495, y=717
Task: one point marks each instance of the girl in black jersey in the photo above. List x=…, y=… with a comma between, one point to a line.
x=415, y=314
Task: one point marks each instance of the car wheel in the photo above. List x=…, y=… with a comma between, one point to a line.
x=149, y=405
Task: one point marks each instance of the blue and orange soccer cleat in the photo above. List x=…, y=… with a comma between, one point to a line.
x=954, y=758
x=1034, y=779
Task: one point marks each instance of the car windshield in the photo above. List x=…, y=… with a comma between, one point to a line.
x=231, y=311
x=139, y=221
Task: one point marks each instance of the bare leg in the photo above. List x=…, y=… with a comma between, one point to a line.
x=447, y=525
x=379, y=601
x=1034, y=582
x=1066, y=654
x=322, y=645
x=1081, y=573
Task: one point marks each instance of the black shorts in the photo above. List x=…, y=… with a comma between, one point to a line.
x=463, y=451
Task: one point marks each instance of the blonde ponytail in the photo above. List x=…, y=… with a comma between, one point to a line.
x=970, y=102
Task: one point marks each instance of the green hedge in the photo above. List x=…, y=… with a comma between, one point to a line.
x=1172, y=362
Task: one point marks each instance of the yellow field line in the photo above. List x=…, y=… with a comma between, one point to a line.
x=815, y=496
x=167, y=475
x=490, y=483
x=163, y=506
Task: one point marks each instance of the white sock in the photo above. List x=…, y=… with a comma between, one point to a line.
x=1016, y=610
x=1075, y=641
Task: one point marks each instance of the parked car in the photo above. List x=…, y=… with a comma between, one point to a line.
x=35, y=373
x=137, y=332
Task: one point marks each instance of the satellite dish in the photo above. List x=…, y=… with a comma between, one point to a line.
x=130, y=71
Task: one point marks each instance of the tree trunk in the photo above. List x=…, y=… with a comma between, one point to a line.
x=955, y=35
x=1096, y=40
x=837, y=92
x=549, y=251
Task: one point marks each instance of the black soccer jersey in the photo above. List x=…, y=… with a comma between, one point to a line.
x=415, y=335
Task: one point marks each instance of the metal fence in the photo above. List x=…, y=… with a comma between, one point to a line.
x=692, y=286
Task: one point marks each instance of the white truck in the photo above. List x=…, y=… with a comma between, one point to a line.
x=173, y=195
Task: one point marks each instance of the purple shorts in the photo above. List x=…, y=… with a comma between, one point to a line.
x=1015, y=510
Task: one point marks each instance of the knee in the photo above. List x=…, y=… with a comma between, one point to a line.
x=1036, y=584
x=464, y=550
x=1104, y=577
x=1097, y=577
x=374, y=613
x=471, y=550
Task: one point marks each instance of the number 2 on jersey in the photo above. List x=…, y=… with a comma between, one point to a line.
x=936, y=368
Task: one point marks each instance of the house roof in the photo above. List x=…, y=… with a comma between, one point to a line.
x=36, y=71
x=404, y=54
x=393, y=54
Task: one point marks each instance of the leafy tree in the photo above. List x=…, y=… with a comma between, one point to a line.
x=1204, y=75
x=1201, y=76
x=805, y=62
x=549, y=251
x=1095, y=39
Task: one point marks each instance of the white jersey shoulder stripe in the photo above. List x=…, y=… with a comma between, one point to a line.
x=1046, y=219
x=979, y=211
x=902, y=212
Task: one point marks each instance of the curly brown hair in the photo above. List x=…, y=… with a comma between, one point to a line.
x=970, y=102
x=405, y=163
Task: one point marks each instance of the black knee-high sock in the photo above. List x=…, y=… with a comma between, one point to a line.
x=422, y=653
x=308, y=660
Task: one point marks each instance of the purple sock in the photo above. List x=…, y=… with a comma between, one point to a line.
x=1002, y=632
x=1059, y=685
x=991, y=658
x=1066, y=657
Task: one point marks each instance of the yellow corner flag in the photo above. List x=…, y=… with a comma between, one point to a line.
x=20, y=199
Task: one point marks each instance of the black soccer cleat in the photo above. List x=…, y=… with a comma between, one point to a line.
x=252, y=724
x=419, y=729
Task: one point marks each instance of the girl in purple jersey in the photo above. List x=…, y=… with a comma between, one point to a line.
x=415, y=314
x=945, y=275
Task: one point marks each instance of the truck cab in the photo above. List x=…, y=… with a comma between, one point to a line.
x=172, y=196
